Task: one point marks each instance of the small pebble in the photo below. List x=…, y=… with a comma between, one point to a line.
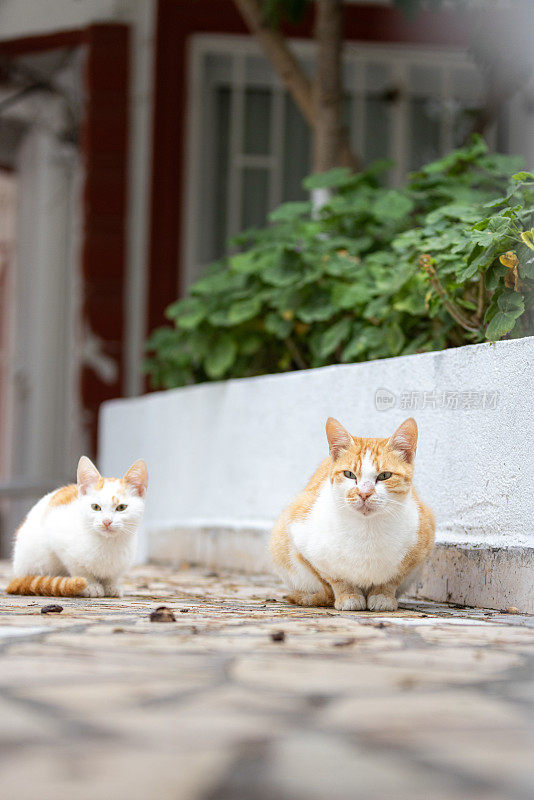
x=406, y=682
x=162, y=614
x=512, y=610
x=278, y=636
x=51, y=609
x=345, y=642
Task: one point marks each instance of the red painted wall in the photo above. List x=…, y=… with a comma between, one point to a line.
x=104, y=149
x=105, y=152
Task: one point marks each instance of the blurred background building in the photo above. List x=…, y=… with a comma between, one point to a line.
x=135, y=137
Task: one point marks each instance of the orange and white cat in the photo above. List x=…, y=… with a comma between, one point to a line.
x=358, y=532
x=85, y=532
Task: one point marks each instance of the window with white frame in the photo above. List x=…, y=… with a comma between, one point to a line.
x=8, y=205
x=249, y=149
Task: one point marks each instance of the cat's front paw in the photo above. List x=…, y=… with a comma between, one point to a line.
x=350, y=602
x=309, y=599
x=381, y=602
x=93, y=590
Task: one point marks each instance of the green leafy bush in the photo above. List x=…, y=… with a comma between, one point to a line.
x=380, y=272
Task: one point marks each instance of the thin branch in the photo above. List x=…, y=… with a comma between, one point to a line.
x=282, y=59
x=296, y=354
x=481, y=297
x=453, y=310
x=290, y=72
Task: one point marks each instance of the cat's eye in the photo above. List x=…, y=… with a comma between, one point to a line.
x=348, y=474
x=96, y=507
x=121, y=507
x=383, y=476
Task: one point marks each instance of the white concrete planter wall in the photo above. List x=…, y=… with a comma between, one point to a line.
x=224, y=459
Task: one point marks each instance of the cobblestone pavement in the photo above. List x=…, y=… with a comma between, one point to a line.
x=246, y=697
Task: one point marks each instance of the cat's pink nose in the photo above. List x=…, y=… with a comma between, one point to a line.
x=366, y=490
x=106, y=522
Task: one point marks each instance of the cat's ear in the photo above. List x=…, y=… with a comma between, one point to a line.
x=404, y=440
x=137, y=477
x=87, y=474
x=339, y=439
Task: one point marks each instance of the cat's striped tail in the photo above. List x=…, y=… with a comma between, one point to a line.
x=47, y=585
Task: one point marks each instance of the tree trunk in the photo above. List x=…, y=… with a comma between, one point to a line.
x=328, y=89
x=311, y=103
x=282, y=59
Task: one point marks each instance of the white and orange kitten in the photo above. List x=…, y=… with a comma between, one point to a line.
x=80, y=539
x=356, y=535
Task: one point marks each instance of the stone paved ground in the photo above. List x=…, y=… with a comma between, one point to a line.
x=99, y=702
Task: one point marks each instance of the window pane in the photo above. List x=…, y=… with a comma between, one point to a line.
x=257, y=121
x=467, y=92
x=258, y=72
x=221, y=166
x=218, y=68
x=379, y=88
x=424, y=128
x=297, y=153
x=426, y=109
x=254, y=198
x=211, y=235
x=376, y=129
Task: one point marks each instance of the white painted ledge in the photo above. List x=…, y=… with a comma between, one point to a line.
x=224, y=458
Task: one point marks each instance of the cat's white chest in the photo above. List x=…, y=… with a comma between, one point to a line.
x=78, y=548
x=344, y=545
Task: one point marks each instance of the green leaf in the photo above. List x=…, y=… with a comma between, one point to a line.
x=363, y=340
x=455, y=159
x=290, y=212
x=343, y=267
x=511, y=302
x=354, y=348
x=279, y=327
x=412, y=304
x=221, y=357
x=285, y=271
x=244, y=262
x=466, y=271
x=332, y=337
x=242, y=310
x=392, y=205
x=501, y=324
x=251, y=344
x=221, y=281
x=317, y=308
x=187, y=313
x=523, y=176
x=494, y=274
x=496, y=228
x=328, y=180
x=346, y=296
x=378, y=168
x=527, y=269
x=377, y=308
x=199, y=342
